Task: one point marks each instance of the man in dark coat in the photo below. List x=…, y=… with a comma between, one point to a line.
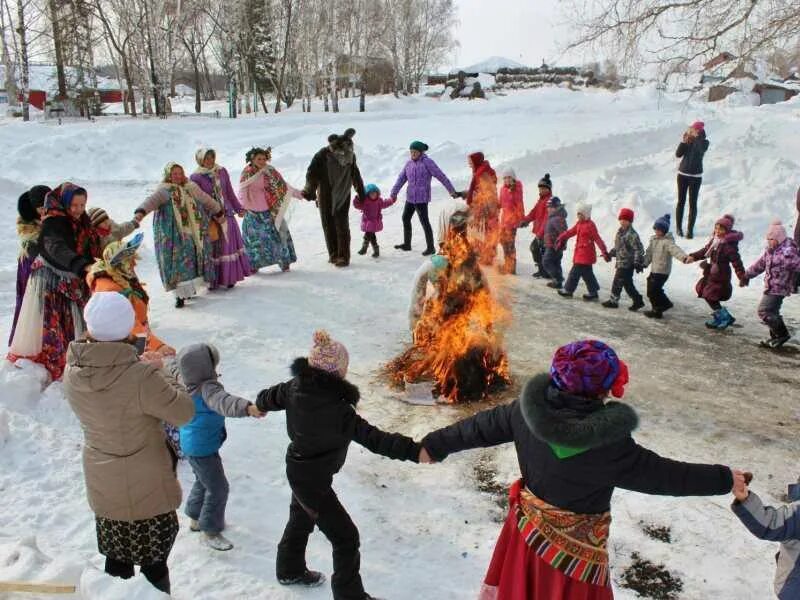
x=331, y=174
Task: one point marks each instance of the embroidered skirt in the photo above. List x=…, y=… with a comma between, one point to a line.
x=141, y=542
x=228, y=255
x=546, y=553
x=266, y=244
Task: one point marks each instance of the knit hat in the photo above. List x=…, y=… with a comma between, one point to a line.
x=776, y=231
x=625, y=214
x=109, y=317
x=418, y=146
x=585, y=210
x=588, y=368
x=554, y=202
x=509, y=172
x=439, y=265
x=372, y=188
x=662, y=223
x=699, y=126
x=96, y=215
x=201, y=154
x=726, y=221
x=328, y=354
x=545, y=182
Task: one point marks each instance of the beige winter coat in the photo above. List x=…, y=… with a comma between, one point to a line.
x=121, y=404
x=660, y=253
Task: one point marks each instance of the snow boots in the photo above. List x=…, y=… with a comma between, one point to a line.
x=637, y=304
x=654, y=314
x=778, y=334
x=364, y=247
x=307, y=579
x=217, y=541
x=430, y=250
x=720, y=319
x=611, y=303
x=564, y=293
x=590, y=297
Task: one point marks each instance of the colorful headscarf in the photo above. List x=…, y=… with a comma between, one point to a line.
x=117, y=263
x=589, y=368
x=187, y=214
x=57, y=203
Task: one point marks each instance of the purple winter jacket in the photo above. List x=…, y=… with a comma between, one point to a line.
x=779, y=267
x=418, y=174
x=232, y=205
x=371, y=216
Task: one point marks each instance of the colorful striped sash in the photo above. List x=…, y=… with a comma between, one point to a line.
x=572, y=543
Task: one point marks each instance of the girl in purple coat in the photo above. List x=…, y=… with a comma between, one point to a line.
x=779, y=263
x=371, y=217
x=418, y=173
x=228, y=255
x=718, y=255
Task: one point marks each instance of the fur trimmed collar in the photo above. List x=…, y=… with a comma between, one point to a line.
x=610, y=423
x=323, y=379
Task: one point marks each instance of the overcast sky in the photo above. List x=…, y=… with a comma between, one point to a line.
x=523, y=30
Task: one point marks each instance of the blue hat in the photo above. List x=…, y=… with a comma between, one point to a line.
x=371, y=188
x=662, y=223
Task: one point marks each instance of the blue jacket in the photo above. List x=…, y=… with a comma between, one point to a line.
x=205, y=433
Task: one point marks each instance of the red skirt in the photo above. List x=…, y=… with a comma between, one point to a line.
x=517, y=572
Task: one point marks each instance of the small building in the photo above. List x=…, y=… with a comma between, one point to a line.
x=772, y=92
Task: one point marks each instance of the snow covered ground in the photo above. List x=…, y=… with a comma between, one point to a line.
x=427, y=532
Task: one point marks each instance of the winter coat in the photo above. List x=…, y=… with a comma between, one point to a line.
x=556, y=225
x=418, y=174
x=162, y=196
x=320, y=179
x=780, y=524
x=205, y=183
x=58, y=245
x=660, y=253
x=715, y=285
x=597, y=451
x=691, y=155
x=121, y=404
x=628, y=249
x=205, y=433
x=779, y=266
x=321, y=421
x=371, y=215
x=512, y=207
x=116, y=232
x=587, y=237
x=538, y=215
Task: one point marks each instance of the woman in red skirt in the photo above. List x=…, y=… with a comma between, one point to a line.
x=574, y=447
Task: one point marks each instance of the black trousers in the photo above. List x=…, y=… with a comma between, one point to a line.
x=422, y=212
x=336, y=227
x=692, y=186
x=552, y=264
x=156, y=573
x=537, y=251
x=655, y=291
x=584, y=272
x=623, y=279
x=714, y=304
x=333, y=521
x=371, y=238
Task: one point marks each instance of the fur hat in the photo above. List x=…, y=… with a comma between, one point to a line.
x=545, y=182
x=588, y=368
x=509, y=172
x=662, y=223
x=584, y=209
x=328, y=354
x=776, y=231
x=418, y=146
x=625, y=214
x=109, y=317
x=726, y=221
x=96, y=215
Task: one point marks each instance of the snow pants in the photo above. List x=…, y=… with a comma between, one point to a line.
x=655, y=291
x=623, y=278
x=552, y=264
x=537, y=251
x=209, y=496
x=769, y=311
x=584, y=272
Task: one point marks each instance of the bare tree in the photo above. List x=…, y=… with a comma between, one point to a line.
x=25, y=67
x=196, y=31
x=121, y=27
x=8, y=52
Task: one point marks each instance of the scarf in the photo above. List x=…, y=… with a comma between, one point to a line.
x=28, y=233
x=482, y=169
x=275, y=189
x=213, y=175
x=188, y=217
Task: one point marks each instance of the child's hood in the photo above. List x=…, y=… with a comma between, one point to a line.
x=197, y=364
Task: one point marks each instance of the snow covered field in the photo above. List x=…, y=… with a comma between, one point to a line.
x=427, y=531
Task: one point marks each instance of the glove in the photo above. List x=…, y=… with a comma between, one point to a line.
x=607, y=258
x=455, y=195
x=308, y=195
x=638, y=268
x=744, y=281
x=613, y=253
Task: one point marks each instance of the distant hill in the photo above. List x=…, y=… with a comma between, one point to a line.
x=492, y=64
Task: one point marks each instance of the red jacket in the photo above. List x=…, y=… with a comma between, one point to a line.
x=513, y=209
x=538, y=215
x=584, y=246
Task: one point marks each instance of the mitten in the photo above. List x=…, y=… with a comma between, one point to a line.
x=638, y=267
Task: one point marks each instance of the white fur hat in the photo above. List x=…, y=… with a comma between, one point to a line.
x=109, y=317
x=584, y=209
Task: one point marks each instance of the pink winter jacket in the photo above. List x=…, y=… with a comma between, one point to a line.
x=512, y=206
x=371, y=216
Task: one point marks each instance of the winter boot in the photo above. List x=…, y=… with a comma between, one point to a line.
x=376, y=251
x=556, y=285
x=611, y=303
x=715, y=319
x=590, y=297
x=564, y=293
x=654, y=314
x=637, y=304
x=725, y=319
x=179, y=303
x=194, y=525
x=364, y=247
x=666, y=307
x=217, y=541
x=307, y=579
x=780, y=335
x=404, y=247
x=540, y=275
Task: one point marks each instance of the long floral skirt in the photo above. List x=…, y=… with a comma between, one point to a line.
x=50, y=318
x=265, y=244
x=229, y=256
x=179, y=259
x=141, y=542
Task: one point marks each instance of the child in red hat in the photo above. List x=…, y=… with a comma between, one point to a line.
x=629, y=252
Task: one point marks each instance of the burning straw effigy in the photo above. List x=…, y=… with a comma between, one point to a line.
x=457, y=341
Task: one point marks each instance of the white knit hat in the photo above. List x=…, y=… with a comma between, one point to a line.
x=584, y=209
x=509, y=172
x=109, y=317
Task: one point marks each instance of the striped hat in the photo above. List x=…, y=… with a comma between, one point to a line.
x=96, y=215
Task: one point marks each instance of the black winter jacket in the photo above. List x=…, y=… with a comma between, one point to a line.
x=321, y=421
x=57, y=246
x=585, y=482
x=691, y=155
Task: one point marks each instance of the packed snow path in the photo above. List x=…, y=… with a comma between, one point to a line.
x=426, y=531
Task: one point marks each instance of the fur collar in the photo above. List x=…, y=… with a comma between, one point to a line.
x=319, y=378
x=612, y=422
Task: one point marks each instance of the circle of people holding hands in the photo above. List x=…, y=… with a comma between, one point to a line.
x=82, y=313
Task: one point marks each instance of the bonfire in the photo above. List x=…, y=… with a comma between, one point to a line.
x=457, y=342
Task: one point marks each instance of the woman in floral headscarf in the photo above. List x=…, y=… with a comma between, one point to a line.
x=180, y=229
x=51, y=312
x=265, y=196
x=230, y=260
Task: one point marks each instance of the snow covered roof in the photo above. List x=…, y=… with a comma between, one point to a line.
x=492, y=65
x=44, y=77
